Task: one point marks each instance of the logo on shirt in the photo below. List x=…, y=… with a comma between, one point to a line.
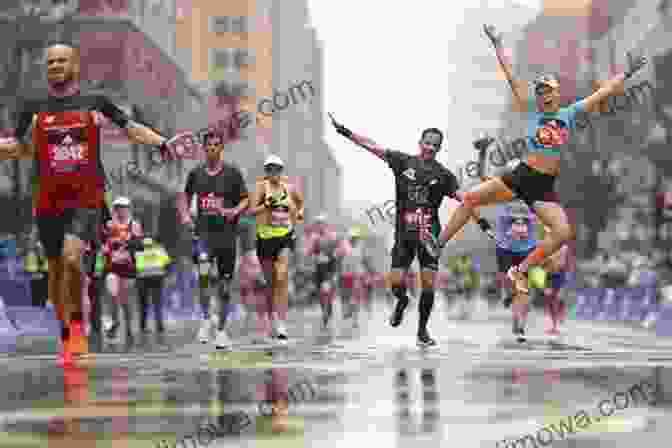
x=433, y=182
x=49, y=119
x=552, y=133
x=209, y=202
x=69, y=150
x=410, y=173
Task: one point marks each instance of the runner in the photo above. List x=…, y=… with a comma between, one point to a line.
x=123, y=237
x=152, y=263
x=355, y=266
x=65, y=147
x=516, y=229
x=221, y=195
x=325, y=245
x=556, y=309
x=421, y=184
x=533, y=179
x=278, y=207
x=466, y=271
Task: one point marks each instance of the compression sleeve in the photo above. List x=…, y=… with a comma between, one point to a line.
x=24, y=121
x=395, y=159
x=112, y=112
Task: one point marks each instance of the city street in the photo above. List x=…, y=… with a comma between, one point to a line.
x=369, y=385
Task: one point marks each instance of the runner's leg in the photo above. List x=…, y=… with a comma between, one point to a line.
x=428, y=267
x=402, y=258
x=553, y=216
x=281, y=292
x=490, y=192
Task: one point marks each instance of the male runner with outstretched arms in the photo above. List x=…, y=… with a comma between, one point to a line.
x=421, y=184
x=533, y=180
x=221, y=197
x=65, y=145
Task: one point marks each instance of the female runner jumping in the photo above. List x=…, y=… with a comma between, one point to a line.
x=533, y=179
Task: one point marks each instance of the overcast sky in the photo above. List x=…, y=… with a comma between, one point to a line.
x=386, y=71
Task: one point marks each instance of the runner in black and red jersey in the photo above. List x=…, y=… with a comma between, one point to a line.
x=421, y=184
x=65, y=145
x=222, y=196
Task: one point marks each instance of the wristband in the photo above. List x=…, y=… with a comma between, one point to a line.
x=484, y=224
x=345, y=132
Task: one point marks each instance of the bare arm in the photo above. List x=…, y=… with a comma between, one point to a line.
x=257, y=204
x=13, y=149
x=141, y=134
x=183, y=201
x=297, y=198
x=519, y=88
x=365, y=142
x=612, y=87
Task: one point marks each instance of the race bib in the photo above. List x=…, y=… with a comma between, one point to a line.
x=68, y=149
x=418, y=220
x=322, y=259
x=209, y=204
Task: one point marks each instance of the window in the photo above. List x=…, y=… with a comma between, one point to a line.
x=222, y=58
x=244, y=57
x=227, y=24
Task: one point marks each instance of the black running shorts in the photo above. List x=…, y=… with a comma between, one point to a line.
x=405, y=251
x=325, y=272
x=530, y=185
x=82, y=223
x=506, y=259
x=273, y=247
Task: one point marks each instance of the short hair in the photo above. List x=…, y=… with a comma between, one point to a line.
x=432, y=131
x=75, y=48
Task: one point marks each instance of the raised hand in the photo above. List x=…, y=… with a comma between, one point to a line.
x=635, y=64
x=494, y=36
x=340, y=128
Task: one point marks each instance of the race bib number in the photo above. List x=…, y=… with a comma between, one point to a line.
x=68, y=149
x=418, y=220
x=209, y=204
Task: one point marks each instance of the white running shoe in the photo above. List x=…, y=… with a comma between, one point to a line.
x=205, y=332
x=223, y=342
x=279, y=330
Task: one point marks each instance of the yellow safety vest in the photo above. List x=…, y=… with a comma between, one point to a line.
x=152, y=262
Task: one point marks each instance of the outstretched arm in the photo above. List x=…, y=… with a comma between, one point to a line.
x=614, y=86
x=519, y=88
x=365, y=142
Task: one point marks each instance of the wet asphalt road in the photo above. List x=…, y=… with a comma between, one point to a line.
x=348, y=387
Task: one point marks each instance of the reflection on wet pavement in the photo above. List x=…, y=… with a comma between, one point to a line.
x=370, y=386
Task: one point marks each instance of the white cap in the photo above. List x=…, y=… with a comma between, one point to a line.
x=121, y=201
x=274, y=160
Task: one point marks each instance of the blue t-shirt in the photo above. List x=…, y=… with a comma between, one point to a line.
x=548, y=133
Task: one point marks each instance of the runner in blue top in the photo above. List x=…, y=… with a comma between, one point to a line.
x=533, y=179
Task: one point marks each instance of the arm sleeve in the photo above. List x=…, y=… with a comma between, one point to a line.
x=24, y=121
x=112, y=112
x=189, y=186
x=450, y=185
x=242, y=186
x=395, y=159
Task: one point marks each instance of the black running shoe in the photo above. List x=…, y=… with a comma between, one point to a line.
x=425, y=341
x=519, y=332
x=112, y=331
x=507, y=302
x=398, y=314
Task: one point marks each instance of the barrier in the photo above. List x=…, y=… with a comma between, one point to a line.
x=8, y=331
x=637, y=305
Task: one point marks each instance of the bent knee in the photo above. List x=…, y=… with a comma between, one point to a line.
x=470, y=200
x=566, y=232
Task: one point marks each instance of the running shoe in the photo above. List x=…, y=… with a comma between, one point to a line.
x=425, y=341
x=398, y=314
x=507, y=302
x=327, y=312
x=222, y=341
x=279, y=330
x=77, y=343
x=519, y=332
x=519, y=279
x=205, y=332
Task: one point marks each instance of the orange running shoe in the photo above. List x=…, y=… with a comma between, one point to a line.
x=78, y=342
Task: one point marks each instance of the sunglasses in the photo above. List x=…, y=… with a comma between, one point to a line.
x=273, y=168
